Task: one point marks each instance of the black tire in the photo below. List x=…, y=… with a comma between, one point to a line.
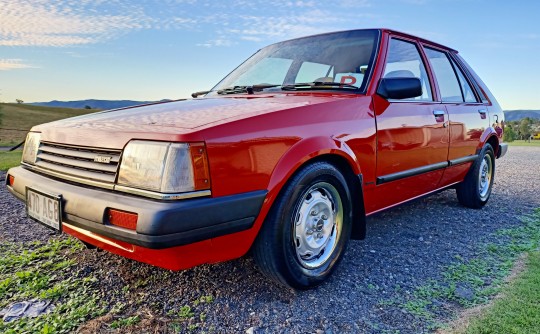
x=282, y=252
x=473, y=192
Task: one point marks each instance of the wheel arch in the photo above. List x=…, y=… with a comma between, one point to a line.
x=334, y=152
x=489, y=137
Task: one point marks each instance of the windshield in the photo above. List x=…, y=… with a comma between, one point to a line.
x=344, y=57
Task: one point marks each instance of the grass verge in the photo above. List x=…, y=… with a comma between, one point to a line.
x=525, y=143
x=474, y=281
x=9, y=159
x=518, y=310
x=45, y=272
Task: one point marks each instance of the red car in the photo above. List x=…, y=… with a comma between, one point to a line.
x=286, y=156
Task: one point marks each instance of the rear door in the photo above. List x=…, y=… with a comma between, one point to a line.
x=467, y=113
x=412, y=137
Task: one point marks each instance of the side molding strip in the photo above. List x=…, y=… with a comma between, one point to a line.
x=424, y=169
x=463, y=160
x=411, y=172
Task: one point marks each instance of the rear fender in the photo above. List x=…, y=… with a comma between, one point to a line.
x=490, y=135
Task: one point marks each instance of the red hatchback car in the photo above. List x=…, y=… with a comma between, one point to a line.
x=286, y=156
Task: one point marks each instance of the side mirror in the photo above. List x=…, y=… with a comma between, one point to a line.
x=399, y=88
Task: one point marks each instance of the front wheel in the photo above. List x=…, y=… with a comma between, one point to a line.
x=307, y=230
x=475, y=190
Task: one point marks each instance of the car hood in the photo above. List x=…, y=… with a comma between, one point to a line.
x=168, y=120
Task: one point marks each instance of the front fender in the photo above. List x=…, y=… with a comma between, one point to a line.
x=304, y=151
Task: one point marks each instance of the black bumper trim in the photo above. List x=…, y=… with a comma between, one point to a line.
x=162, y=241
x=503, y=148
x=185, y=221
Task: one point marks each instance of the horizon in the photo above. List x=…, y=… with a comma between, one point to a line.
x=149, y=51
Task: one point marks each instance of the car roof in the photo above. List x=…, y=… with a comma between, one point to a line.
x=420, y=39
x=382, y=30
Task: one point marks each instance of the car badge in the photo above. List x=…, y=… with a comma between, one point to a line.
x=102, y=159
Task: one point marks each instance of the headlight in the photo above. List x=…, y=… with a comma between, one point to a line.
x=31, y=147
x=164, y=167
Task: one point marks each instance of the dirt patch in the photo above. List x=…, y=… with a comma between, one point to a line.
x=462, y=322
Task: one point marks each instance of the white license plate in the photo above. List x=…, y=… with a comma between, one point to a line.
x=45, y=208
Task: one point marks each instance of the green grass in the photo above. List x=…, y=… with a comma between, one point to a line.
x=524, y=143
x=46, y=271
x=470, y=282
x=24, y=117
x=9, y=159
x=125, y=322
x=518, y=311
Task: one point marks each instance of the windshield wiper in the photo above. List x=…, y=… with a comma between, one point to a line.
x=197, y=94
x=318, y=85
x=245, y=89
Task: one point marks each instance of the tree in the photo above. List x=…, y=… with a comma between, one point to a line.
x=525, y=128
x=87, y=107
x=1, y=114
x=509, y=134
x=19, y=101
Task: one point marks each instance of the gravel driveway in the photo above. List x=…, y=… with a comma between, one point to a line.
x=405, y=248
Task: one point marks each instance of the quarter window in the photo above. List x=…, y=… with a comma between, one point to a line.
x=468, y=93
x=446, y=77
x=404, y=61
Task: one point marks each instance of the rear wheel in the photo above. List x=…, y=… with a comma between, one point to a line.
x=307, y=230
x=475, y=190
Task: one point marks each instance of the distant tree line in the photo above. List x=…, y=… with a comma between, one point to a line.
x=523, y=129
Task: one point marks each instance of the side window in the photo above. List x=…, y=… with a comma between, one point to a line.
x=310, y=72
x=446, y=77
x=404, y=60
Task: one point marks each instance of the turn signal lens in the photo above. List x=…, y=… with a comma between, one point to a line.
x=11, y=180
x=199, y=160
x=122, y=219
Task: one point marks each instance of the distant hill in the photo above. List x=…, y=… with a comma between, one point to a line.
x=94, y=104
x=516, y=115
x=17, y=119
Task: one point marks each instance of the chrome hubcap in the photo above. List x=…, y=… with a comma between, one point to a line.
x=484, y=177
x=317, y=225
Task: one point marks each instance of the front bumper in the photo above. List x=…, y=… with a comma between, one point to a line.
x=161, y=224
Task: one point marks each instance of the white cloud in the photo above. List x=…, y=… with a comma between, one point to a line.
x=13, y=64
x=61, y=23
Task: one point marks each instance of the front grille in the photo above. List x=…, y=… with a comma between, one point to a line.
x=79, y=161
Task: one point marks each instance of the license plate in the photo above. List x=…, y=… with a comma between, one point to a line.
x=45, y=208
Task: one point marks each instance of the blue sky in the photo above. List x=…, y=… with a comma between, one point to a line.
x=151, y=50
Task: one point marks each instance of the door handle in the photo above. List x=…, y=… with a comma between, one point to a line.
x=482, y=113
x=439, y=116
x=438, y=113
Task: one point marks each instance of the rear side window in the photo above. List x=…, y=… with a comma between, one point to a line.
x=404, y=60
x=449, y=85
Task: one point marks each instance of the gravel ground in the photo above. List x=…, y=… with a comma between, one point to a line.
x=405, y=247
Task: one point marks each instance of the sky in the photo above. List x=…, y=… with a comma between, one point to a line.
x=152, y=50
